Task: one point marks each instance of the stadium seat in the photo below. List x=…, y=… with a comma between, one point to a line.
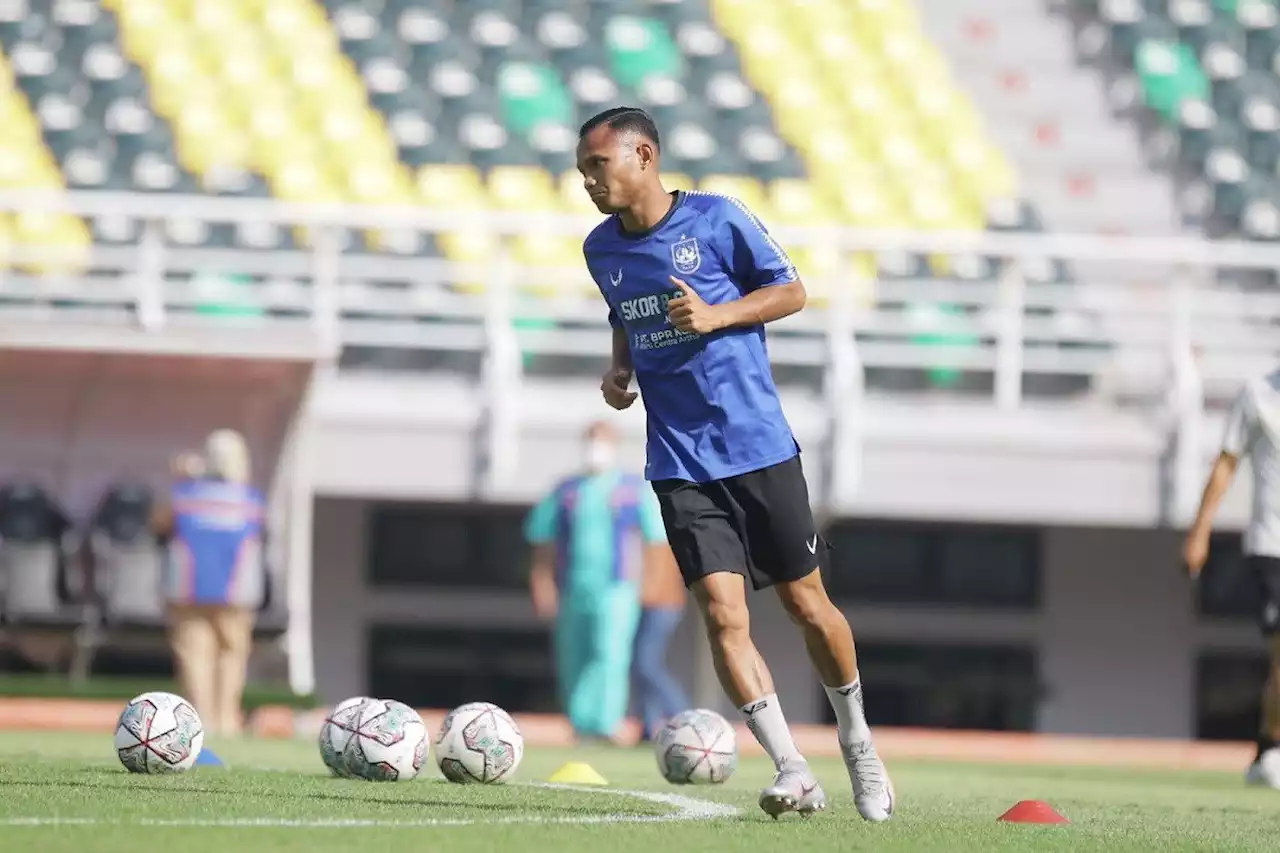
x=1208, y=70
x=34, y=532
x=896, y=116
x=126, y=557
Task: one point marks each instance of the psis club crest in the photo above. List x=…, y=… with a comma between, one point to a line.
x=685, y=256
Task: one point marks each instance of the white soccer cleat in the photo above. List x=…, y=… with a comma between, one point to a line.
x=1266, y=770
x=794, y=789
x=872, y=788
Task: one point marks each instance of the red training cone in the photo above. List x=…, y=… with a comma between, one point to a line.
x=1032, y=811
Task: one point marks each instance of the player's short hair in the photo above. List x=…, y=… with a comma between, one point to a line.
x=624, y=119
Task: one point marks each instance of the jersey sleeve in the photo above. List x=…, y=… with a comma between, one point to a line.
x=540, y=523
x=754, y=258
x=1240, y=427
x=651, y=527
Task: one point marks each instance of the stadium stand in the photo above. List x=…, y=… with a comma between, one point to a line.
x=1207, y=71
x=28, y=78
x=473, y=106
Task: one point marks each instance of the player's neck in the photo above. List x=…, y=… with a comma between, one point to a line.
x=647, y=211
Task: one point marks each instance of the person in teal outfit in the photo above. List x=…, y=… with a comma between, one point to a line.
x=590, y=536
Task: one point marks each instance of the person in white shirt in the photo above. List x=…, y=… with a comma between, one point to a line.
x=1253, y=430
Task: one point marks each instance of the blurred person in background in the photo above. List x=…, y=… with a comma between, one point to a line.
x=662, y=601
x=215, y=575
x=1253, y=430
x=591, y=536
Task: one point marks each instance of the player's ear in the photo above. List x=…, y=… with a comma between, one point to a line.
x=646, y=154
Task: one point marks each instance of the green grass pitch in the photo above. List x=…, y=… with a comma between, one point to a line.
x=64, y=793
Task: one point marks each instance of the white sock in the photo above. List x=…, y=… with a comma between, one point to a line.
x=764, y=718
x=847, y=703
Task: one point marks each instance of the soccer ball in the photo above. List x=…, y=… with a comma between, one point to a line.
x=697, y=747
x=158, y=733
x=389, y=743
x=479, y=742
x=336, y=733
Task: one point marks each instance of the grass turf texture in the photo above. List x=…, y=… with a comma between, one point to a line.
x=75, y=796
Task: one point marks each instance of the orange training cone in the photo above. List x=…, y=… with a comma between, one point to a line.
x=1032, y=811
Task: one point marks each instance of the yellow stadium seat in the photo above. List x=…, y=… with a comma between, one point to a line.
x=223, y=20
x=677, y=181
x=837, y=47
x=735, y=17
x=747, y=190
x=62, y=242
x=882, y=14
x=373, y=182
x=356, y=134
x=472, y=247
x=817, y=266
x=982, y=167
x=284, y=19
x=797, y=202
x=834, y=151
x=550, y=263
x=869, y=205
x=243, y=68
x=206, y=139
x=450, y=186
x=573, y=195
x=303, y=180
x=17, y=125
x=6, y=242
x=146, y=26
x=270, y=155
x=522, y=188
x=860, y=90
x=24, y=166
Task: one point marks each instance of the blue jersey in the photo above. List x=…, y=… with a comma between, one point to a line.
x=712, y=407
x=217, y=544
x=599, y=524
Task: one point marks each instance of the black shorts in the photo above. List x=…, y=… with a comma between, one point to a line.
x=756, y=524
x=1266, y=572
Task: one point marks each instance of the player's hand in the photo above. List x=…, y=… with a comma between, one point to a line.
x=1195, y=552
x=614, y=388
x=689, y=313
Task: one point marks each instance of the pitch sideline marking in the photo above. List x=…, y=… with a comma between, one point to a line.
x=686, y=809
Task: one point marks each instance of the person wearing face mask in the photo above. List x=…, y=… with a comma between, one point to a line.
x=591, y=536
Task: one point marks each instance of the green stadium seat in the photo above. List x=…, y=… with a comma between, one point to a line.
x=531, y=95
x=1170, y=74
x=640, y=48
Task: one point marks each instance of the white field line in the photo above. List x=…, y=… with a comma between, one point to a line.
x=683, y=809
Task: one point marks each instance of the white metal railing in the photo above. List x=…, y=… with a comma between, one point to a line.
x=1142, y=316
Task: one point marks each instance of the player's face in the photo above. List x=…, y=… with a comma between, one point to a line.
x=611, y=168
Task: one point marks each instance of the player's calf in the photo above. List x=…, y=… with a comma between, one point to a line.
x=830, y=645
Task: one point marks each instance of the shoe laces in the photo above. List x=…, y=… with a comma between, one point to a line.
x=868, y=769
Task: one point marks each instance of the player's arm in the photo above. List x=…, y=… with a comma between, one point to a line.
x=756, y=308
x=539, y=532
x=1237, y=437
x=772, y=286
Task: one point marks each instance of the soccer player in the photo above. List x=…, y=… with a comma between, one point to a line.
x=691, y=279
x=589, y=535
x=1253, y=426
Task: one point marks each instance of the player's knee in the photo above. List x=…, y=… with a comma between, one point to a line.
x=728, y=623
x=806, y=604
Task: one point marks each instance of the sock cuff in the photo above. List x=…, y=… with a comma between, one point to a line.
x=844, y=689
x=758, y=704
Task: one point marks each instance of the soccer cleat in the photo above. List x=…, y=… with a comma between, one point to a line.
x=872, y=788
x=1266, y=770
x=794, y=789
